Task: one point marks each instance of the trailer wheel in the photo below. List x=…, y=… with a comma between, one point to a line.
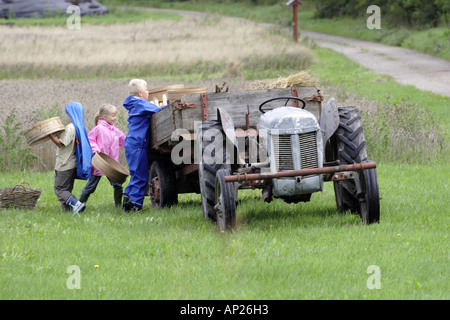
x=351, y=148
x=207, y=171
x=225, y=206
x=163, y=189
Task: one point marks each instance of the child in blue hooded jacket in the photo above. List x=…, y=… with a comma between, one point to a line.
x=73, y=158
x=140, y=111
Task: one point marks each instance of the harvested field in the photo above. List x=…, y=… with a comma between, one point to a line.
x=30, y=97
x=99, y=50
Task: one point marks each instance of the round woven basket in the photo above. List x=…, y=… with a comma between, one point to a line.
x=40, y=131
x=175, y=94
x=110, y=167
x=157, y=93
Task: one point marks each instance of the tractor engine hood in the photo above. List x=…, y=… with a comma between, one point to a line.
x=288, y=120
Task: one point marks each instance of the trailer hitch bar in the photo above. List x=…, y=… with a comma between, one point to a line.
x=302, y=172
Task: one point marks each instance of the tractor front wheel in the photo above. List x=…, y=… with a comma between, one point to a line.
x=370, y=200
x=225, y=206
x=211, y=150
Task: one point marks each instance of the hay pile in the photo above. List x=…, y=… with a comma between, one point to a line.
x=301, y=79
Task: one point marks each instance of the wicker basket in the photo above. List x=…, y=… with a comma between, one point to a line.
x=110, y=167
x=175, y=94
x=20, y=196
x=40, y=131
x=157, y=93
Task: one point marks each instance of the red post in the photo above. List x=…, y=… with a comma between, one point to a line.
x=295, y=22
x=294, y=4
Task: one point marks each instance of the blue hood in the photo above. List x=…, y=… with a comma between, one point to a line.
x=83, y=149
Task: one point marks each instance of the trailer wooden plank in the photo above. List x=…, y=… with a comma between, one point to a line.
x=237, y=104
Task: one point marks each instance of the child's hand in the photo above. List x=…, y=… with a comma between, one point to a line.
x=55, y=140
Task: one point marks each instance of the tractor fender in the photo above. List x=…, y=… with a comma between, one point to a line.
x=329, y=119
x=228, y=127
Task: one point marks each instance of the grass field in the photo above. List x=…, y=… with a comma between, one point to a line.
x=278, y=251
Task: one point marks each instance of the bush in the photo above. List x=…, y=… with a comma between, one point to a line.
x=417, y=13
x=13, y=155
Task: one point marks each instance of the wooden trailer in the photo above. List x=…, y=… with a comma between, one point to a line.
x=177, y=123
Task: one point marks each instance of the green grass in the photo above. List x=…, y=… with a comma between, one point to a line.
x=114, y=16
x=278, y=250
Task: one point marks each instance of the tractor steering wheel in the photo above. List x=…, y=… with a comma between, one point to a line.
x=281, y=98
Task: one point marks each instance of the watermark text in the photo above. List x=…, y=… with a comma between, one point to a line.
x=374, y=280
x=374, y=21
x=74, y=20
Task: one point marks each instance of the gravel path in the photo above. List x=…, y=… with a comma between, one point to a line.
x=405, y=66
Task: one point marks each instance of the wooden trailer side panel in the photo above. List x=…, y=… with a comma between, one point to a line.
x=237, y=104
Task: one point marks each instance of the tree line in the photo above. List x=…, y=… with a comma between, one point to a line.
x=411, y=13
x=414, y=13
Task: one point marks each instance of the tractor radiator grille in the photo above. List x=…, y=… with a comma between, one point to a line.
x=283, y=152
x=308, y=151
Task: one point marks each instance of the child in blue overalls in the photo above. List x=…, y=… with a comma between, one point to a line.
x=140, y=111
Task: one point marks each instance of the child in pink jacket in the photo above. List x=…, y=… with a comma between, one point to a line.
x=106, y=138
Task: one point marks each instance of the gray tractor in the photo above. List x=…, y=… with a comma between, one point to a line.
x=293, y=155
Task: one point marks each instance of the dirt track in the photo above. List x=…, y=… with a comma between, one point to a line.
x=405, y=66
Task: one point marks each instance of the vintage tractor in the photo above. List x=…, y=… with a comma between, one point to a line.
x=282, y=149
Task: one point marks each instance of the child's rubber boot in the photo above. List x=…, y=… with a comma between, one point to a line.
x=84, y=197
x=77, y=205
x=127, y=205
x=118, y=197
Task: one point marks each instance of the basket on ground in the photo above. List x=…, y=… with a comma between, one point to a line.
x=110, y=167
x=40, y=131
x=21, y=196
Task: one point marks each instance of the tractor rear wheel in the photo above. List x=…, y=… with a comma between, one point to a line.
x=351, y=148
